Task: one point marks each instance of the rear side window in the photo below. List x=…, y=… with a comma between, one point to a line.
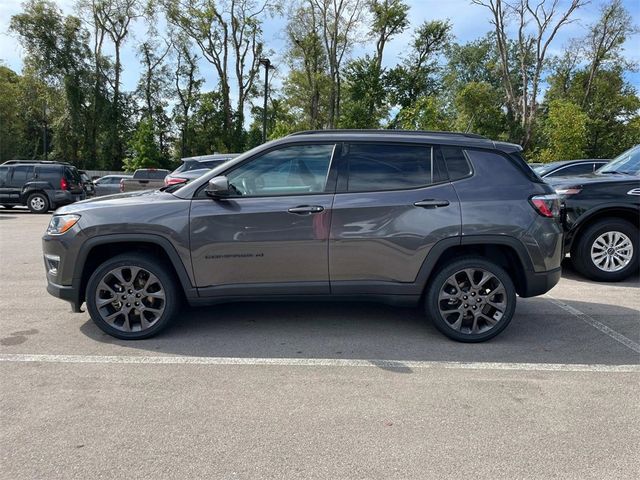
x=49, y=174
x=4, y=172
x=500, y=169
x=379, y=167
x=457, y=163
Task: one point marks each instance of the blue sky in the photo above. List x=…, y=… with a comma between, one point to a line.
x=469, y=22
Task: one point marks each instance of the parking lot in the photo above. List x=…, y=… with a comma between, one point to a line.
x=315, y=390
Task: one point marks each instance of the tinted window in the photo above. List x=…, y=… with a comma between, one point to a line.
x=49, y=174
x=21, y=175
x=501, y=169
x=71, y=173
x=376, y=167
x=579, y=169
x=292, y=170
x=4, y=171
x=457, y=164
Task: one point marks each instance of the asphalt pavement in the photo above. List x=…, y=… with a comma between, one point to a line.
x=315, y=390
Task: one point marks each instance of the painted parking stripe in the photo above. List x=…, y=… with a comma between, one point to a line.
x=311, y=362
x=618, y=337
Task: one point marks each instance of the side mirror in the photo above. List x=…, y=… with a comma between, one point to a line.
x=218, y=187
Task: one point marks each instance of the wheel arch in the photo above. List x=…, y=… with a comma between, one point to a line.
x=630, y=214
x=97, y=250
x=507, y=252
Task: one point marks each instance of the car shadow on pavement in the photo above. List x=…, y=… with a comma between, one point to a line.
x=570, y=273
x=541, y=332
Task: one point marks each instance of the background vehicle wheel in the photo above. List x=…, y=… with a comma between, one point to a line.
x=132, y=296
x=471, y=299
x=38, y=203
x=607, y=251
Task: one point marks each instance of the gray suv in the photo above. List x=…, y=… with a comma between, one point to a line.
x=454, y=222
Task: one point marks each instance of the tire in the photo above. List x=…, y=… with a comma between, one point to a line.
x=454, y=314
x=594, y=237
x=123, y=318
x=38, y=203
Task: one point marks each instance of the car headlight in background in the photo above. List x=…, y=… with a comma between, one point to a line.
x=61, y=223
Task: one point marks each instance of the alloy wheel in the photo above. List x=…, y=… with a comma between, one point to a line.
x=130, y=298
x=612, y=251
x=472, y=301
x=37, y=203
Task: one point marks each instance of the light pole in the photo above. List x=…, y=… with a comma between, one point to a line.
x=267, y=65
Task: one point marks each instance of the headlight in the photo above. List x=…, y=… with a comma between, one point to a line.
x=61, y=223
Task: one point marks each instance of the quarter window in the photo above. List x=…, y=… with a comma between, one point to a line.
x=378, y=167
x=457, y=163
x=295, y=170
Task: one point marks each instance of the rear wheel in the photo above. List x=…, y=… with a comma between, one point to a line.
x=38, y=203
x=607, y=251
x=471, y=299
x=132, y=296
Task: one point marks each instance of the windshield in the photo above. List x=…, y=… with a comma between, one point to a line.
x=626, y=163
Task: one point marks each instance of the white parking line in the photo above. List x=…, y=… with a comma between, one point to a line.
x=312, y=362
x=618, y=337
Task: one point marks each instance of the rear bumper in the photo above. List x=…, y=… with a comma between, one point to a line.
x=539, y=283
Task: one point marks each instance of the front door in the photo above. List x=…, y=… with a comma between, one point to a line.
x=393, y=204
x=271, y=234
x=4, y=185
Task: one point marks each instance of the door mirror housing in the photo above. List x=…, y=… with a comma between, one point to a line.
x=218, y=187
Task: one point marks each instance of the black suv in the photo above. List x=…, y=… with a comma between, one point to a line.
x=40, y=185
x=455, y=222
x=602, y=218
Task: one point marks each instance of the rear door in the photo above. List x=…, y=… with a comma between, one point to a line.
x=19, y=175
x=271, y=235
x=393, y=204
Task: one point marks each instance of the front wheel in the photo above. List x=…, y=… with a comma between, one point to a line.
x=132, y=296
x=471, y=299
x=607, y=251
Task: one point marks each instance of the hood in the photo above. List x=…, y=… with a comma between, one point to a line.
x=591, y=178
x=142, y=197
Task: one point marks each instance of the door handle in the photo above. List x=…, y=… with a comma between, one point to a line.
x=430, y=203
x=306, y=209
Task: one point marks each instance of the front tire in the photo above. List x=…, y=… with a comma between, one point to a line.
x=607, y=251
x=471, y=299
x=38, y=203
x=132, y=296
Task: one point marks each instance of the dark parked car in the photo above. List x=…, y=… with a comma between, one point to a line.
x=455, y=222
x=109, y=184
x=602, y=216
x=184, y=173
x=40, y=185
x=87, y=184
x=569, y=168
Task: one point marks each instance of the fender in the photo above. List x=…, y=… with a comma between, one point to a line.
x=32, y=187
x=588, y=214
x=439, y=248
x=81, y=259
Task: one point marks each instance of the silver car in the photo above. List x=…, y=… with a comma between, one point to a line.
x=109, y=184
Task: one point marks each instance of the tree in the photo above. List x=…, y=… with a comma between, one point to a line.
x=530, y=51
x=479, y=110
x=565, y=130
x=144, y=151
x=426, y=113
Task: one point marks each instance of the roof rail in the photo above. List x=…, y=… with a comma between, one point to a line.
x=46, y=162
x=390, y=131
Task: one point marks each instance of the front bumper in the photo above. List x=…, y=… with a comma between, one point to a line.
x=68, y=293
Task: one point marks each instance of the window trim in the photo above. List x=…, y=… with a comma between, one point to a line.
x=343, y=182
x=328, y=189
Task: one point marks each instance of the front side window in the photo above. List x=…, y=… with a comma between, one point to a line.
x=294, y=170
x=579, y=169
x=379, y=167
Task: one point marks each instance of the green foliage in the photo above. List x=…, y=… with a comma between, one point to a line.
x=363, y=105
x=480, y=110
x=566, y=132
x=143, y=149
x=426, y=113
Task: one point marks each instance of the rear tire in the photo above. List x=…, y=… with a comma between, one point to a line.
x=471, y=299
x=608, y=239
x=132, y=296
x=38, y=203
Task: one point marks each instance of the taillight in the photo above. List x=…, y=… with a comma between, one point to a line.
x=546, y=205
x=64, y=185
x=122, y=184
x=173, y=181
